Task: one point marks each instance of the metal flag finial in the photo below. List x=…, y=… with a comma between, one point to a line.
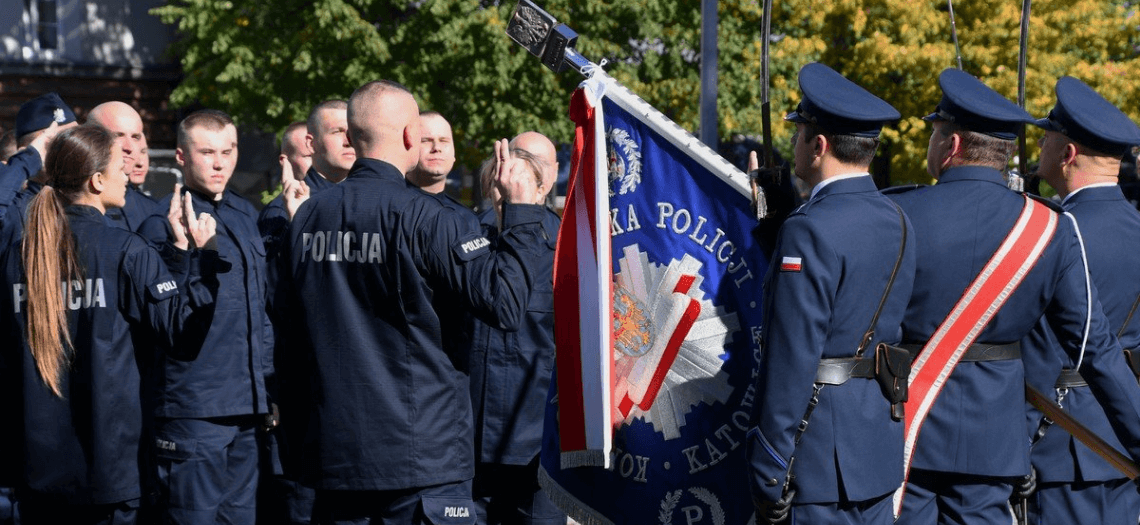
x=538, y=31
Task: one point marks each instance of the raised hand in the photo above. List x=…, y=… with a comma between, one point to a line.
x=295, y=192
x=202, y=228
x=175, y=218
x=513, y=176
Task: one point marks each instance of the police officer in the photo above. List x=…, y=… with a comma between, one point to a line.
x=1085, y=139
x=331, y=158
x=125, y=123
x=511, y=370
x=972, y=444
x=391, y=434
x=840, y=277
x=37, y=122
x=211, y=411
x=70, y=363
x=284, y=500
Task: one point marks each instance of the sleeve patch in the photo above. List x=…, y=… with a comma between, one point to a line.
x=471, y=246
x=162, y=289
x=791, y=264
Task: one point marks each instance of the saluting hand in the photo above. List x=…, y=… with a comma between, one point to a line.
x=203, y=228
x=295, y=192
x=513, y=176
x=175, y=219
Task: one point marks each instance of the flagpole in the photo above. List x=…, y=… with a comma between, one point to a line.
x=1022, y=162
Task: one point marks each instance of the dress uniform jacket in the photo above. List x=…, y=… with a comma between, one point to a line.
x=977, y=425
x=228, y=377
x=1110, y=227
x=86, y=448
x=834, y=256
x=392, y=411
x=510, y=371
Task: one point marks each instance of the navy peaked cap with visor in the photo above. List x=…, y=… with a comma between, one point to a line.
x=969, y=103
x=38, y=113
x=1088, y=119
x=838, y=105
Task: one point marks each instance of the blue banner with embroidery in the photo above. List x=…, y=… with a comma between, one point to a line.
x=686, y=295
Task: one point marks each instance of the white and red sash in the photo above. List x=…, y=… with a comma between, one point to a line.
x=999, y=278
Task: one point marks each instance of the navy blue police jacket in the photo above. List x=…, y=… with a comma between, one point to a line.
x=228, y=377
x=273, y=224
x=392, y=410
x=834, y=256
x=1110, y=228
x=20, y=167
x=273, y=221
x=511, y=370
x=91, y=446
x=977, y=424
x=447, y=303
x=139, y=207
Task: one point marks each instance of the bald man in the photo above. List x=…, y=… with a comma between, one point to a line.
x=510, y=372
x=390, y=435
x=127, y=126
x=546, y=154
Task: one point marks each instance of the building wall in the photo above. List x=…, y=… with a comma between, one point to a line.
x=102, y=50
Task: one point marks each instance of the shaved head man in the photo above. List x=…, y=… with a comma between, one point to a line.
x=295, y=147
x=545, y=153
x=125, y=123
x=384, y=124
x=328, y=139
x=127, y=126
x=372, y=259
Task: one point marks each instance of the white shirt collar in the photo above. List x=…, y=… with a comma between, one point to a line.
x=1078, y=190
x=825, y=182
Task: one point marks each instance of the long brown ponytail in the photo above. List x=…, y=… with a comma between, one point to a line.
x=49, y=252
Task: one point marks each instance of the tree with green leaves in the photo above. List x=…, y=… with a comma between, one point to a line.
x=268, y=62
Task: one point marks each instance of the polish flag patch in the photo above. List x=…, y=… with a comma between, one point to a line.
x=791, y=264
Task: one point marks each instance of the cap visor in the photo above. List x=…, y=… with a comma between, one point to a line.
x=1046, y=124
x=795, y=116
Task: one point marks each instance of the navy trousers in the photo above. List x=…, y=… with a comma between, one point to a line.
x=447, y=504
x=208, y=470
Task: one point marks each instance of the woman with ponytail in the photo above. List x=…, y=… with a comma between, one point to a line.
x=86, y=307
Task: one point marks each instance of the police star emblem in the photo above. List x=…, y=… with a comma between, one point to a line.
x=668, y=341
x=58, y=116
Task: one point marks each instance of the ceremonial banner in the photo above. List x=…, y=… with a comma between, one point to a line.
x=676, y=310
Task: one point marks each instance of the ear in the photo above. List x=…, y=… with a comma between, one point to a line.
x=1070, y=154
x=96, y=182
x=408, y=142
x=821, y=145
x=180, y=157
x=954, y=150
x=347, y=136
x=309, y=141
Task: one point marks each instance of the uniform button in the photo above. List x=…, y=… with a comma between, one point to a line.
x=772, y=482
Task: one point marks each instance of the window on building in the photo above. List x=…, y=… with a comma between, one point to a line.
x=47, y=24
